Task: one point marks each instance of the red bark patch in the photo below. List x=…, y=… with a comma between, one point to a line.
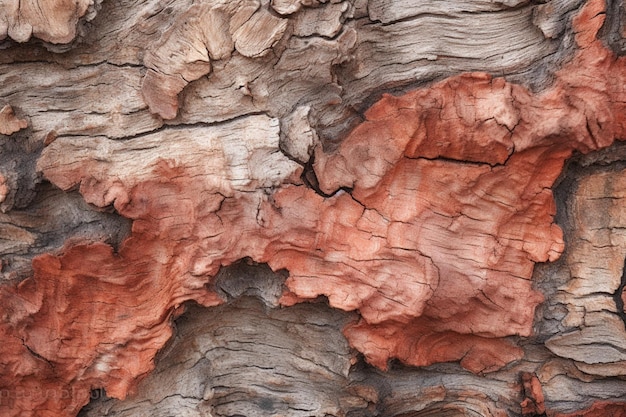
x=599, y=409
x=533, y=403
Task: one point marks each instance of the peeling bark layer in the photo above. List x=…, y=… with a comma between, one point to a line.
x=9, y=123
x=507, y=146
x=426, y=221
x=53, y=21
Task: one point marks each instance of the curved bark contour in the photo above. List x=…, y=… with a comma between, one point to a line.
x=53, y=21
x=9, y=123
x=205, y=32
x=427, y=220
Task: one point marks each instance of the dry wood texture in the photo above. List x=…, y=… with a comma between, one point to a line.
x=54, y=21
x=333, y=249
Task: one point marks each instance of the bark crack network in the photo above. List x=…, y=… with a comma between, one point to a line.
x=417, y=222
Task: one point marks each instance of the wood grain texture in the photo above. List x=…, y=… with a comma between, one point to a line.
x=53, y=21
x=239, y=130
x=352, y=65
x=290, y=361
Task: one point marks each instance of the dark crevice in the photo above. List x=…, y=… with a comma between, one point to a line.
x=461, y=161
x=95, y=396
x=617, y=296
x=309, y=177
x=37, y=355
x=248, y=278
x=173, y=125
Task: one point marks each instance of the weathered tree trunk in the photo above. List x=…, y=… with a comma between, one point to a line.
x=312, y=208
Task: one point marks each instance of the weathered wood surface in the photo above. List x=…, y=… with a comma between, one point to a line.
x=245, y=130
x=53, y=21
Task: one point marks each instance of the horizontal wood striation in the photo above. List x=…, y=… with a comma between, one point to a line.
x=177, y=151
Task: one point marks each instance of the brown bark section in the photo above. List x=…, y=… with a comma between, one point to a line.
x=9, y=122
x=53, y=21
x=205, y=33
x=431, y=217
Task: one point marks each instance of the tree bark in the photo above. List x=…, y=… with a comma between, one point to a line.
x=312, y=208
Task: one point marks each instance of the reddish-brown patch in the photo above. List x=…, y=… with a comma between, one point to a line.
x=463, y=172
x=533, y=403
x=599, y=409
x=9, y=122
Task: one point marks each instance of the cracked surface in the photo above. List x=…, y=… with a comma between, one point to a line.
x=426, y=220
x=288, y=361
x=53, y=21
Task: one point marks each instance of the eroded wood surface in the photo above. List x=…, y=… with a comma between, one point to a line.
x=53, y=21
x=232, y=130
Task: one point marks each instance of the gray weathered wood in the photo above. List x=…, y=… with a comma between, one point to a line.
x=295, y=74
